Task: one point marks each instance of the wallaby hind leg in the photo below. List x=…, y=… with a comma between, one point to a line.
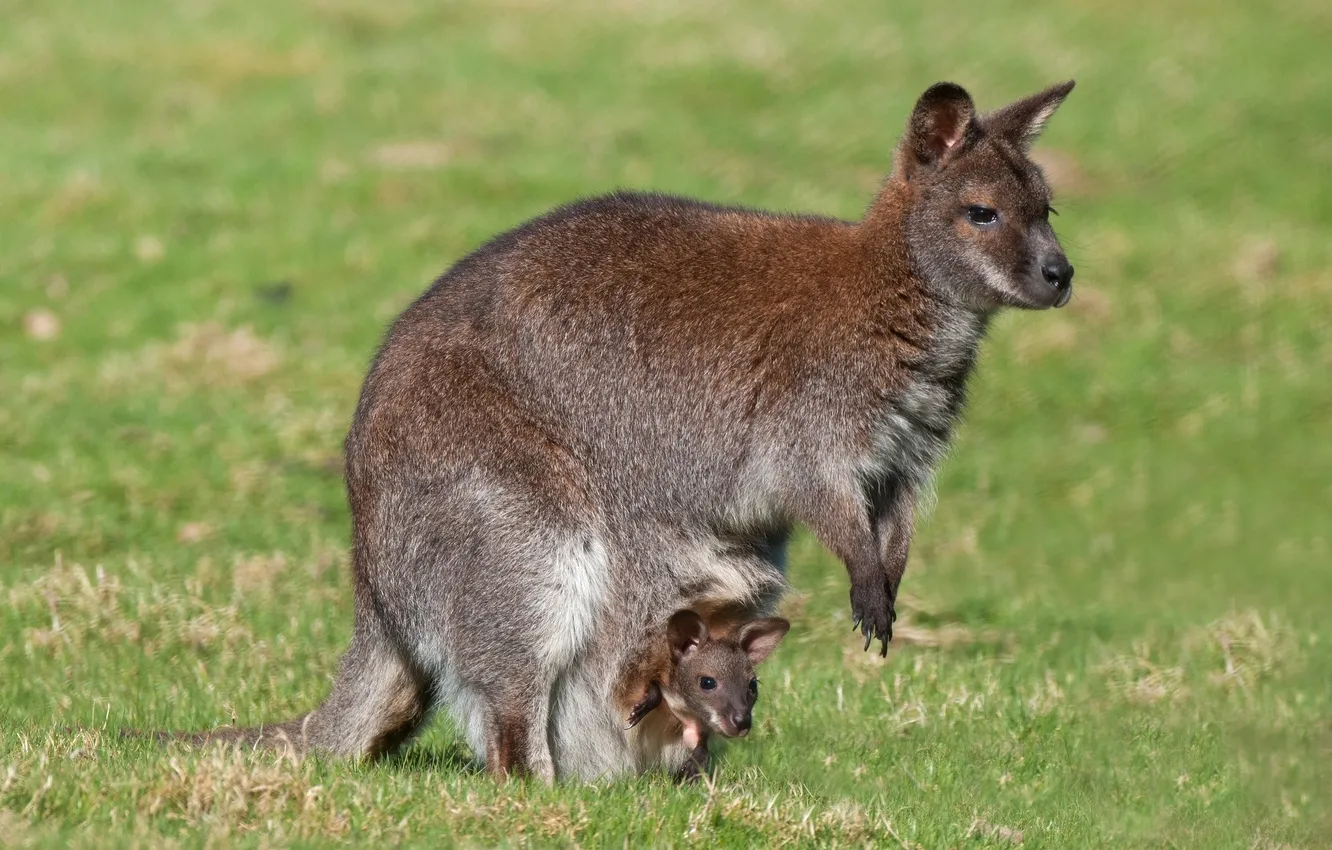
x=517, y=736
x=378, y=702
x=506, y=746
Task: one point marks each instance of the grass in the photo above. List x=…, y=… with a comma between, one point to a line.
x=1116, y=632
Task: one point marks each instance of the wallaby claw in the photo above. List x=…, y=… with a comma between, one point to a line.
x=873, y=611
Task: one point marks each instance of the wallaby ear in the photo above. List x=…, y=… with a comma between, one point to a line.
x=685, y=632
x=1023, y=120
x=940, y=123
x=758, y=638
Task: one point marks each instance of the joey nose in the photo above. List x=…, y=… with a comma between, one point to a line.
x=742, y=721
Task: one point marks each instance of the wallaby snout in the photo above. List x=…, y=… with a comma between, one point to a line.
x=1058, y=272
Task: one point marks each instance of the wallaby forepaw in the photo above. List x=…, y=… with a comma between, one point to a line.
x=873, y=613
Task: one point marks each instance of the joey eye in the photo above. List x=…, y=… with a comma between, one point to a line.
x=753, y=686
x=707, y=683
x=982, y=216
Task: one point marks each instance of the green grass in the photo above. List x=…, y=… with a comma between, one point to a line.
x=1116, y=632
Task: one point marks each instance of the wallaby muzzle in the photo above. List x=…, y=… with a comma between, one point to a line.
x=1058, y=272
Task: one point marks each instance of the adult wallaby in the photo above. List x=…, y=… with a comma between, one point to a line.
x=621, y=408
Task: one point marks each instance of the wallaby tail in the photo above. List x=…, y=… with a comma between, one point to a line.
x=292, y=736
x=378, y=702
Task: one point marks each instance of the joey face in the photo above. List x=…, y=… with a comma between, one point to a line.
x=979, y=220
x=717, y=684
x=713, y=681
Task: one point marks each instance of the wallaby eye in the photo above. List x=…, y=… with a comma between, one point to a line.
x=982, y=216
x=707, y=683
x=753, y=686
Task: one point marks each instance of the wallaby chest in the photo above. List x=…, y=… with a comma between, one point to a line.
x=912, y=423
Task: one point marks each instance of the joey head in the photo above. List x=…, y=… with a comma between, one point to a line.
x=711, y=685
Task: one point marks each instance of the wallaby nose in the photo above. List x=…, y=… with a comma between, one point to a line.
x=742, y=721
x=1058, y=272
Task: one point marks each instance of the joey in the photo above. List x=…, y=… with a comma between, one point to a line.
x=710, y=686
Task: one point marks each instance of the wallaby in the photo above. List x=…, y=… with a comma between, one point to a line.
x=709, y=685
x=621, y=408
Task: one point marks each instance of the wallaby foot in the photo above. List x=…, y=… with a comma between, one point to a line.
x=506, y=748
x=517, y=735
x=509, y=751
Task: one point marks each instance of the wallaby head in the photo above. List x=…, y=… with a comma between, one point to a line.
x=713, y=681
x=978, y=209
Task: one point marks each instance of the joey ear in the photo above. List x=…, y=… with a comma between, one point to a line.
x=685, y=632
x=1023, y=120
x=940, y=123
x=758, y=638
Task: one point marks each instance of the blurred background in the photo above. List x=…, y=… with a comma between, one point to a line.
x=1116, y=618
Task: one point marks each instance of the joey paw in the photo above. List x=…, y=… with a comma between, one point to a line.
x=644, y=706
x=638, y=713
x=689, y=774
x=694, y=766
